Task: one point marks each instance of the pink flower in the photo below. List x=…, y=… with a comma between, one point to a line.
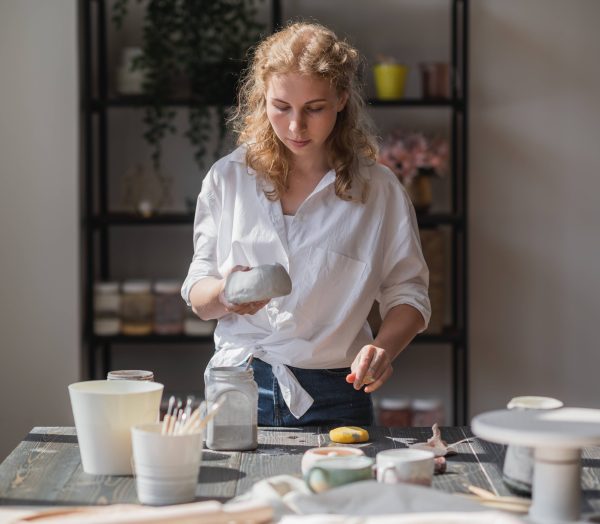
x=410, y=153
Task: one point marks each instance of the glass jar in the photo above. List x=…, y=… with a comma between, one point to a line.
x=234, y=427
x=195, y=326
x=168, y=307
x=518, y=468
x=137, y=306
x=107, y=303
x=130, y=374
x=394, y=412
x=130, y=81
x=426, y=412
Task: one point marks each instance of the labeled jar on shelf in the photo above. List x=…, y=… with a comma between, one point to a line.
x=395, y=412
x=137, y=308
x=168, y=307
x=426, y=412
x=107, y=303
x=195, y=326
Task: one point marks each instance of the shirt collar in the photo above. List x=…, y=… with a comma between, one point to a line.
x=239, y=156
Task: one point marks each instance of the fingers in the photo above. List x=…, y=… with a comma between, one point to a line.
x=379, y=363
x=373, y=386
x=361, y=364
x=240, y=268
x=372, y=367
x=249, y=308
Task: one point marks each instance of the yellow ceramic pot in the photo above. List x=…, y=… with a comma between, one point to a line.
x=390, y=80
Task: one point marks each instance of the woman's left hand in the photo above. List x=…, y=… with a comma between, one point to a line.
x=371, y=367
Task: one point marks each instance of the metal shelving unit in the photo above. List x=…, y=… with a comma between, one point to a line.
x=98, y=221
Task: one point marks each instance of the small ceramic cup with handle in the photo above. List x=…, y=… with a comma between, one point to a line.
x=332, y=472
x=410, y=466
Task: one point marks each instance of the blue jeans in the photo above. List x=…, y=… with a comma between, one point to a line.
x=336, y=403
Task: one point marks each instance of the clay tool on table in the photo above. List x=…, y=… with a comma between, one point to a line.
x=168, y=415
x=195, y=423
x=183, y=415
x=174, y=416
x=487, y=498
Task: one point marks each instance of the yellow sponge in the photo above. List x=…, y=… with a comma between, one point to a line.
x=349, y=434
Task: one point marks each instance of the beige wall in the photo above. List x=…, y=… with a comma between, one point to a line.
x=535, y=214
x=39, y=215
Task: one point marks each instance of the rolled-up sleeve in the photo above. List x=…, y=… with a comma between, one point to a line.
x=405, y=273
x=204, y=261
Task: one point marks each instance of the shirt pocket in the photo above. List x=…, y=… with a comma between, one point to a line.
x=330, y=284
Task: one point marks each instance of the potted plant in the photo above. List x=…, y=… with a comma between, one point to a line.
x=415, y=158
x=203, y=42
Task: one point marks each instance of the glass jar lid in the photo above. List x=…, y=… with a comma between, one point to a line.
x=167, y=286
x=426, y=404
x=394, y=403
x=136, y=286
x=106, y=288
x=130, y=374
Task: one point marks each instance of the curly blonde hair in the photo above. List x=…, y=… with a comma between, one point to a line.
x=308, y=49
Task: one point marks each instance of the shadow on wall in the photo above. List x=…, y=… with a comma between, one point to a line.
x=520, y=51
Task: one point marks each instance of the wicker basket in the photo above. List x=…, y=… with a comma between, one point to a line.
x=432, y=242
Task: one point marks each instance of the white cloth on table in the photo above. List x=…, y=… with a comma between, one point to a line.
x=445, y=517
x=369, y=502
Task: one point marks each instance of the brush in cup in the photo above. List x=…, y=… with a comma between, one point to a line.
x=166, y=466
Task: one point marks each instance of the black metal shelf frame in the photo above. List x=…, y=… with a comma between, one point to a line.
x=97, y=223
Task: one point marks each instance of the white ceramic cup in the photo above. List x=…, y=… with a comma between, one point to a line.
x=411, y=466
x=336, y=471
x=104, y=412
x=313, y=455
x=166, y=466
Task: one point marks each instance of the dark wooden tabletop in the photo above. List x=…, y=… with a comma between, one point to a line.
x=45, y=469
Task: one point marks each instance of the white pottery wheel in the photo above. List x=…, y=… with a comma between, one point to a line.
x=557, y=436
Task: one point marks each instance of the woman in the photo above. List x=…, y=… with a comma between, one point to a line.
x=303, y=190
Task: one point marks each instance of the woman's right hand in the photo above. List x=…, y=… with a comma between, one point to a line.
x=249, y=308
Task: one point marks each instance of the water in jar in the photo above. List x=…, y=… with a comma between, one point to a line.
x=235, y=425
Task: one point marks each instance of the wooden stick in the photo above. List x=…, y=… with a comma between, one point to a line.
x=488, y=495
x=172, y=419
x=194, y=417
x=168, y=414
x=210, y=415
x=496, y=503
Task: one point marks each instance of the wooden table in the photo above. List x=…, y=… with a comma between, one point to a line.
x=45, y=469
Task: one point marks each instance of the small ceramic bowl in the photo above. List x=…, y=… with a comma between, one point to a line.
x=315, y=454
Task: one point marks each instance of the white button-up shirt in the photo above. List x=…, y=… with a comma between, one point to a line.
x=341, y=256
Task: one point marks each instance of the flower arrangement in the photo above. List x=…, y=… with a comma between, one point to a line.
x=413, y=157
x=409, y=154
